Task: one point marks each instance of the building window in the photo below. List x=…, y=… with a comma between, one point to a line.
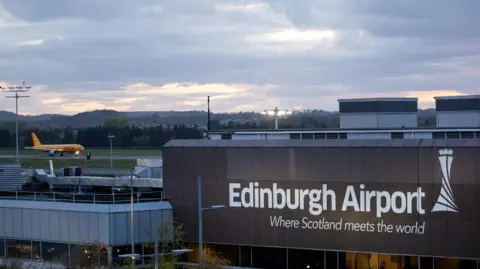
x=301, y=258
x=88, y=256
x=332, y=135
x=294, y=136
x=306, y=136
x=398, y=135
x=20, y=249
x=36, y=250
x=453, y=134
x=54, y=252
x=439, y=135
x=262, y=257
x=2, y=247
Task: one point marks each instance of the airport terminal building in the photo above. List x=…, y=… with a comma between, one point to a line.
x=331, y=203
x=377, y=193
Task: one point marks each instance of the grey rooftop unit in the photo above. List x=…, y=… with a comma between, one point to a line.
x=378, y=113
x=10, y=176
x=458, y=111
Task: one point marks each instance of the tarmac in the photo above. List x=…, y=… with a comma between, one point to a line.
x=93, y=157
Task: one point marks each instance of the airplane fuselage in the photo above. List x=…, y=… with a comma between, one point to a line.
x=60, y=148
x=54, y=148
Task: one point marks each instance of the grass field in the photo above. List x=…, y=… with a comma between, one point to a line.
x=60, y=163
x=95, y=152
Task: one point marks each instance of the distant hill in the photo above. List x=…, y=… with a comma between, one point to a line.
x=306, y=119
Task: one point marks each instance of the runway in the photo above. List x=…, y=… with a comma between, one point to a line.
x=107, y=157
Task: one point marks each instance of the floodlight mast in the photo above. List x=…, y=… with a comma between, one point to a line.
x=277, y=113
x=16, y=90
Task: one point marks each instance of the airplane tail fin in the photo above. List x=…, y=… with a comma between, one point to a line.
x=36, y=142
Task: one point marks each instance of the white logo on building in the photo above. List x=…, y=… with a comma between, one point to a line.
x=445, y=201
x=357, y=198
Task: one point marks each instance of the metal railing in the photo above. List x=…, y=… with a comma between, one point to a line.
x=86, y=198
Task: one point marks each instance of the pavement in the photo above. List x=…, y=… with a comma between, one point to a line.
x=93, y=157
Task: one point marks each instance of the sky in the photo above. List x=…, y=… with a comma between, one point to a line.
x=248, y=55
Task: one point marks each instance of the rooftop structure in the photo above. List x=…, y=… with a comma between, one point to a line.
x=458, y=111
x=378, y=113
x=10, y=176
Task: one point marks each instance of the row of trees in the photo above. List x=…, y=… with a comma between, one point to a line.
x=127, y=136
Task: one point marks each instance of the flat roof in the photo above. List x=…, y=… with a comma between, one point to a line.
x=458, y=97
x=380, y=99
x=374, y=143
x=343, y=130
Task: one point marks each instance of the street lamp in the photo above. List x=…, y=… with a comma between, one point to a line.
x=175, y=252
x=200, y=219
x=277, y=113
x=16, y=90
x=132, y=255
x=111, y=137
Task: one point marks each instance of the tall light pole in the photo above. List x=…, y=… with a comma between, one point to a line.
x=200, y=219
x=277, y=113
x=16, y=90
x=132, y=255
x=111, y=137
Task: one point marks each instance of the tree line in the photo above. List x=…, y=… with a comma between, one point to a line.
x=125, y=136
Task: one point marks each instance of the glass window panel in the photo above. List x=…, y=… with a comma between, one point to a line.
x=2, y=247
x=36, y=246
x=55, y=252
x=20, y=249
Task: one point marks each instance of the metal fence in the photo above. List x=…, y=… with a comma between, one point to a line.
x=87, y=198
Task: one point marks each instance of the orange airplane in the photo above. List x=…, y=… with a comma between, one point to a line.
x=53, y=149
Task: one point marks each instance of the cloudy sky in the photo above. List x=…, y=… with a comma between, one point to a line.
x=249, y=55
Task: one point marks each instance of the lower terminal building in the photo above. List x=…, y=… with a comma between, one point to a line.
x=54, y=219
x=373, y=204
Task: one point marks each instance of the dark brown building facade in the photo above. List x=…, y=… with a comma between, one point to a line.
x=406, y=197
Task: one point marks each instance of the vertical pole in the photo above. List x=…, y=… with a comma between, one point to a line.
x=200, y=241
x=208, y=111
x=111, y=154
x=419, y=266
x=338, y=261
x=240, y=256
x=110, y=256
x=156, y=251
x=287, y=259
x=131, y=218
x=276, y=117
x=324, y=259
x=16, y=126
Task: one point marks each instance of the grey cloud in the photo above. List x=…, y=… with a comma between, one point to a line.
x=46, y=10
x=101, y=46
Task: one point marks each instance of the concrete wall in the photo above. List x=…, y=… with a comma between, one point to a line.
x=81, y=223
